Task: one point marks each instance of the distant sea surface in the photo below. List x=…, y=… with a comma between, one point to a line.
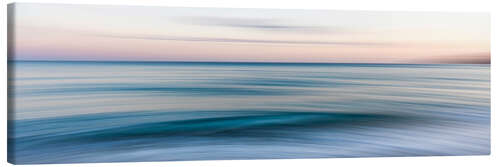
x=72, y=112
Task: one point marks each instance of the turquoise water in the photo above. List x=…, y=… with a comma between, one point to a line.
x=72, y=112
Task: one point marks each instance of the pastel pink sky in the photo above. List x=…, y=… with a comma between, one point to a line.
x=128, y=33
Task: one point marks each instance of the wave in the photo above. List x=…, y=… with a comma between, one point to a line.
x=60, y=139
x=214, y=124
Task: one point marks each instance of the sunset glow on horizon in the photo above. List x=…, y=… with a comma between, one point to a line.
x=126, y=33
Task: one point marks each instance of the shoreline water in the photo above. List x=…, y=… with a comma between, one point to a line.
x=66, y=112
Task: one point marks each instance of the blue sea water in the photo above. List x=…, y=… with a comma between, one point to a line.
x=76, y=112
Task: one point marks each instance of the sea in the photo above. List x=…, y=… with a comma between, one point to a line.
x=85, y=111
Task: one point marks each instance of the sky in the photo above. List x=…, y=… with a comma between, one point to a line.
x=141, y=33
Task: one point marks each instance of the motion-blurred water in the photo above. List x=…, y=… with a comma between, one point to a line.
x=68, y=112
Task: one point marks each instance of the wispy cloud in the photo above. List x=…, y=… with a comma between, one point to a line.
x=254, y=23
x=239, y=40
x=202, y=39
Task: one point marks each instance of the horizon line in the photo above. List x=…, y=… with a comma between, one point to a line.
x=235, y=62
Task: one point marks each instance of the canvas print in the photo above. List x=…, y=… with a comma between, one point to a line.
x=92, y=83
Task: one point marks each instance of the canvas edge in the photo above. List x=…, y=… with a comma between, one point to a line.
x=11, y=12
